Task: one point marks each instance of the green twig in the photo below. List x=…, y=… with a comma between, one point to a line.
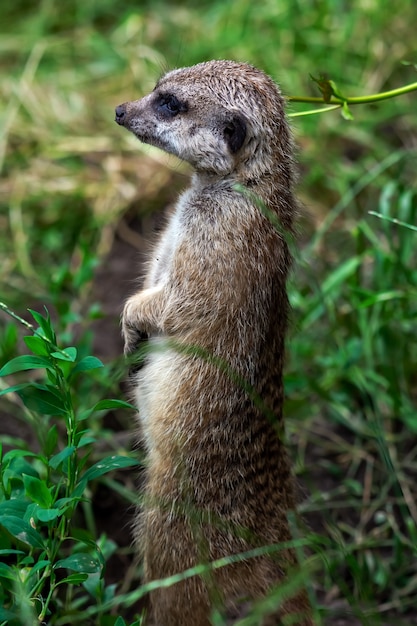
x=315, y=111
x=384, y=95
x=336, y=101
x=30, y=327
x=393, y=220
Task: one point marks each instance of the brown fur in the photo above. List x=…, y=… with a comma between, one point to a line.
x=214, y=305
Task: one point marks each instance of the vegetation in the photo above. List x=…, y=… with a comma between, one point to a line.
x=72, y=191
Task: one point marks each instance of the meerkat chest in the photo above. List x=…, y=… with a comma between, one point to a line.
x=162, y=259
x=163, y=255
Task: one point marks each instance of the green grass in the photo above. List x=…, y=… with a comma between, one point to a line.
x=69, y=176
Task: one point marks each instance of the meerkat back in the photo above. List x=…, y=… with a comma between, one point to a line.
x=214, y=308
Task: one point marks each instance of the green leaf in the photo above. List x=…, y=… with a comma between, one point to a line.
x=87, y=363
x=25, y=362
x=68, y=354
x=336, y=91
x=346, y=112
x=84, y=536
x=37, y=345
x=73, y=579
x=81, y=562
x=113, y=404
x=63, y=504
x=84, y=415
x=107, y=465
x=105, y=405
x=120, y=622
x=48, y=515
x=51, y=440
x=14, y=389
x=393, y=220
x=57, y=459
x=40, y=565
x=45, y=324
x=17, y=454
x=15, y=507
x=10, y=551
x=22, y=531
x=7, y=572
x=37, y=491
x=341, y=274
x=38, y=398
x=85, y=440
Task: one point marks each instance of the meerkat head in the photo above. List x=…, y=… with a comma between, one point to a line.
x=222, y=117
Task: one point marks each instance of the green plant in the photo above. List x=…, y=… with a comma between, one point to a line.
x=51, y=567
x=361, y=410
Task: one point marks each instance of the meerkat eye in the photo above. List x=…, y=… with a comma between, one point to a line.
x=169, y=105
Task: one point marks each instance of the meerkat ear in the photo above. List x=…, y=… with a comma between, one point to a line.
x=235, y=132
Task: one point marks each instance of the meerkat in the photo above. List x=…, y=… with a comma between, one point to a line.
x=214, y=307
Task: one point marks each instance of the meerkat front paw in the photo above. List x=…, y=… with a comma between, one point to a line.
x=140, y=317
x=132, y=331
x=132, y=338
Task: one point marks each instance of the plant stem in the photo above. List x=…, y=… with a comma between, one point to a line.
x=6, y=309
x=384, y=95
x=315, y=111
x=30, y=327
x=393, y=220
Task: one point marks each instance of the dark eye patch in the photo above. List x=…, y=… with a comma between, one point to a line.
x=235, y=132
x=169, y=105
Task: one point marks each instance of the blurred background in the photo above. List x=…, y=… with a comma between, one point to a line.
x=80, y=198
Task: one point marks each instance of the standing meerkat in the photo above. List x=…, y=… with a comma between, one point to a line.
x=214, y=306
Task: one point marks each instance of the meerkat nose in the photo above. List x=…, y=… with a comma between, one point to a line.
x=120, y=114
